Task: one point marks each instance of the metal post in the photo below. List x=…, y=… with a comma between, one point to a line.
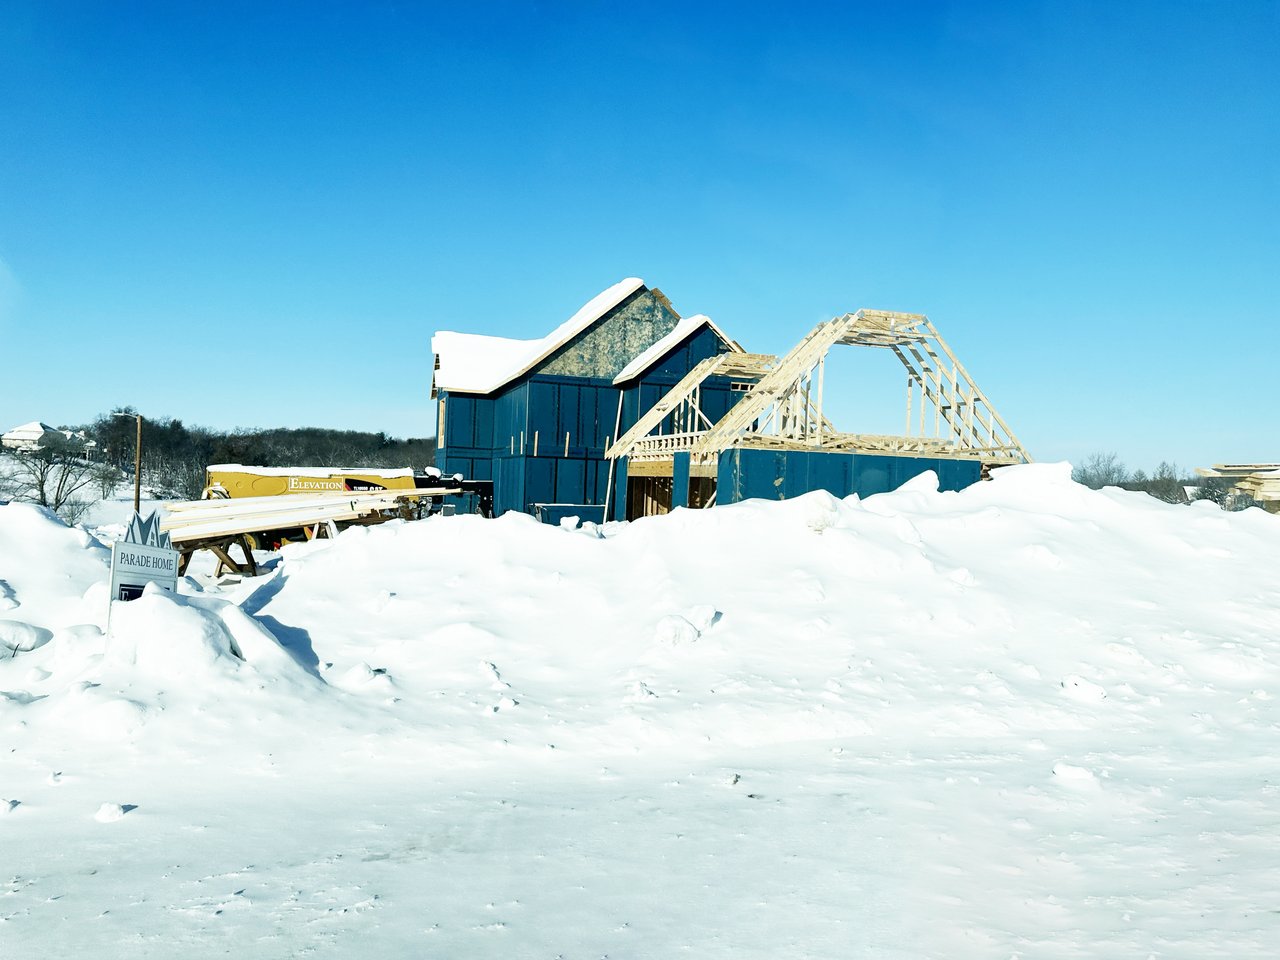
x=137, y=461
x=137, y=469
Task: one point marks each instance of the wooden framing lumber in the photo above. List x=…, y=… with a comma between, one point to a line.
x=784, y=407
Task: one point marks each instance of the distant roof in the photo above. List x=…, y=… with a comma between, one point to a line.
x=33, y=429
x=470, y=363
x=683, y=331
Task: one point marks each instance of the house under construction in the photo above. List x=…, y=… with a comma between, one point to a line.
x=628, y=410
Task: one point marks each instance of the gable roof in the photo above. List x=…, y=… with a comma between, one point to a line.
x=33, y=430
x=471, y=363
x=685, y=329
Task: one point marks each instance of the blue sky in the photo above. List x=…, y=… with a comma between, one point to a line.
x=256, y=214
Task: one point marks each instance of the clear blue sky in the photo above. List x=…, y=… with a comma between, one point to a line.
x=256, y=214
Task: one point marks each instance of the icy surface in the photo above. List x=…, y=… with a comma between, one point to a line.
x=478, y=364
x=1027, y=719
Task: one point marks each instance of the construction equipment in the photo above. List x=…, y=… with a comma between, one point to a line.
x=236, y=480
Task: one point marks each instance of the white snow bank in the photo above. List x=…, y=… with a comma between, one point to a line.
x=46, y=567
x=1023, y=719
x=994, y=611
x=196, y=643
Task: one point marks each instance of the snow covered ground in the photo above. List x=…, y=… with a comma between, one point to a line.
x=1023, y=720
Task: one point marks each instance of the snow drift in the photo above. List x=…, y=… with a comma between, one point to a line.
x=1023, y=719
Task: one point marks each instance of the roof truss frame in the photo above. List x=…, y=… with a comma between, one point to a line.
x=947, y=414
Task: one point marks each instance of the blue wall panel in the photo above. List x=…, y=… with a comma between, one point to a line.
x=540, y=481
x=680, y=480
x=771, y=475
x=618, y=499
x=570, y=481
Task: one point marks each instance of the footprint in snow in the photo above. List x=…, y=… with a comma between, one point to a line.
x=1042, y=555
x=1078, y=688
x=639, y=693
x=8, y=806
x=491, y=670
x=1078, y=778
x=675, y=631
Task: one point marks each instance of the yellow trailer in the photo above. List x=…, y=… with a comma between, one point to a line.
x=234, y=480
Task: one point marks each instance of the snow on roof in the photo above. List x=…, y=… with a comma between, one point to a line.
x=683, y=331
x=470, y=363
x=30, y=435
x=33, y=429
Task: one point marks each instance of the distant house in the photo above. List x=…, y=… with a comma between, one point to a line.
x=30, y=435
x=535, y=416
x=1249, y=483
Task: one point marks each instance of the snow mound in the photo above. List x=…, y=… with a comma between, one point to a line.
x=111, y=812
x=16, y=635
x=1079, y=778
x=196, y=643
x=884, y=683
x=47, y=566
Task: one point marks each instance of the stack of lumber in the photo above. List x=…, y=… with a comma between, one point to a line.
x=1261, y=481
x=218, y=524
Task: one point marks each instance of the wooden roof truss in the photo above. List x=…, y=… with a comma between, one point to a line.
x=947, y=414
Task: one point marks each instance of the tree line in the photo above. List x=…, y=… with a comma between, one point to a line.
x=1168, y=483
x=61, y=473
x=174, y=456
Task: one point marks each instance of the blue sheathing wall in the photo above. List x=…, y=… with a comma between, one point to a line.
x=780, y=475
x=680, y=480
x=618, y=499
x=570, y=420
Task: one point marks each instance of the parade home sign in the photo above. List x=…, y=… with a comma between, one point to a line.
x=144, y=556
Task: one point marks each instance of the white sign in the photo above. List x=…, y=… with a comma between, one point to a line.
x=144, y=556
x=134, y=565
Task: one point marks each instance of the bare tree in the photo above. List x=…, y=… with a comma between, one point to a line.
x=107, y=476
x=1166, y=484
x=49, y=475
x=1100, y=470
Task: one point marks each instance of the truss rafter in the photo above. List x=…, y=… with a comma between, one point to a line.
x=946, y=412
